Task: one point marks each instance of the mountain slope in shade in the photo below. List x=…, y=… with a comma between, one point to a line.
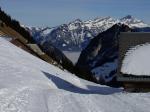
x=101, y=55
x=28, y=84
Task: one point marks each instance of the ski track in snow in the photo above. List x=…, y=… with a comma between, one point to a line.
x=28, y=84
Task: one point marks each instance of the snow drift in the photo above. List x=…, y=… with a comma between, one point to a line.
x=28, y=84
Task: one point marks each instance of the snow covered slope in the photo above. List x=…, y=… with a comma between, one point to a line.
x=28, y=84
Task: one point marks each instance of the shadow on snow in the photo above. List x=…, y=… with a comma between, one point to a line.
x=65, y=85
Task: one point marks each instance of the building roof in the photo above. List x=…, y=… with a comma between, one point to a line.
x=128, y=41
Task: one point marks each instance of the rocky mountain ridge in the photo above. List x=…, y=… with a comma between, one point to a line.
x=76, y=35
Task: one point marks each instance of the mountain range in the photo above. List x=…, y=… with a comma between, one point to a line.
x=76, y=35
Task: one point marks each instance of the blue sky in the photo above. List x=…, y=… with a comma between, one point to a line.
x=56, y=12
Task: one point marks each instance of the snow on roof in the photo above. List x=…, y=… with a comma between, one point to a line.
x=137, y=60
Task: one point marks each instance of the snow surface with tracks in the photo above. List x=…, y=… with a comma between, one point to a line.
x=28, y=84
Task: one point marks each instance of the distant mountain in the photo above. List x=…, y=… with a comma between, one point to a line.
x=133, y=22
x=76, y=35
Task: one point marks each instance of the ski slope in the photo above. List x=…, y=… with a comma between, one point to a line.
x=28, y=84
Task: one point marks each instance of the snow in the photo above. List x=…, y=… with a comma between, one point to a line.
x=105, y=70
x=102, y=23
x=28, y=84
x=7, y=38
x=48, y=31
x=74, y=24
x=72, y=27
x=136, y=61
x=136, y=25
x=63, y=45
x=133, y=22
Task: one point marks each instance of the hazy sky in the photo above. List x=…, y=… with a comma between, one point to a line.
x=56, y=12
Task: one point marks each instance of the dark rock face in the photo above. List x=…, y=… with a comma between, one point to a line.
x=102, y=53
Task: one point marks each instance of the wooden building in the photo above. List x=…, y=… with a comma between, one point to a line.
x=132, y=82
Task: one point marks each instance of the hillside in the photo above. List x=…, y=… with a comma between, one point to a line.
x=28, y=84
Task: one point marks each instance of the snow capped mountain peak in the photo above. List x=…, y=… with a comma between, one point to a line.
x=133, y=22
x=77, y=21
x=130, y=19
x=47, y=30
x=100, y=24
x=100, y=19
x=75, y=24
x=127, y=17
